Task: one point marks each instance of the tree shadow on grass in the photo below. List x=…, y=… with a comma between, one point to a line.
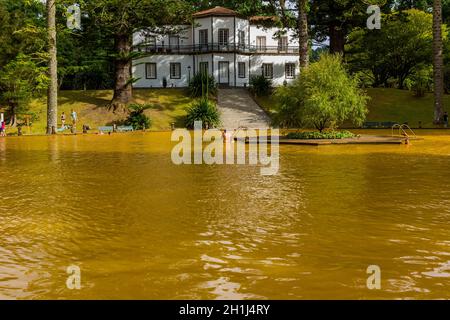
x=180, y=121
x=177, y=98
x=120, y=122
x=99, y=99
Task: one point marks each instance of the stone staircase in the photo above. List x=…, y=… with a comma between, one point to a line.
x=238, y=109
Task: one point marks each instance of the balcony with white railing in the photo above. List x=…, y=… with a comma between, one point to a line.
x=216, y=47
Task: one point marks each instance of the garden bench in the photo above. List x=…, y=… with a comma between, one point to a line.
x=383, y=124
x=125, y=128
x=62, y=129
x=387, y=124
x=106, y=129
x=369, y=125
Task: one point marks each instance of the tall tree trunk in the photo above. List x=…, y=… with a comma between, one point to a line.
x=13, y=118
x=122, y=84
x=303, y=33
x=337, y=39
x=438, y=60
x=52, y=93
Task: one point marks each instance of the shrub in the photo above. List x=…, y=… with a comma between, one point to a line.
x=260, y=86
x=323, y=97
x=202, y=84
x=320, y=135
x=447, y=79
x=137, y=118
x=205, y=111
x=421, y=81
x=288, y=113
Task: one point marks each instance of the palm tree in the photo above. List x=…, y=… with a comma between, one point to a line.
x=52, y=93
x=303, y=32
x=438, y=60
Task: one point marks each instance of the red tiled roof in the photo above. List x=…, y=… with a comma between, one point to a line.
x=263, y=19
x=217, y=11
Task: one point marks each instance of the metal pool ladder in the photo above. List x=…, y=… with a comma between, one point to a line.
x=240, y=127
x=403, y=130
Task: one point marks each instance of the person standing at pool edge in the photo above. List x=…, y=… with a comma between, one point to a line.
x=63, y=120
x=74, y=117
x=3, y=129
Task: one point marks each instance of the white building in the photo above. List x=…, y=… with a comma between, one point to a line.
x=221, y=42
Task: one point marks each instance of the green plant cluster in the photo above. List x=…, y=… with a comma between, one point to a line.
x=202, y=84
x=314, y=135
x=137, y=117
x=205, y=111
x=260, y=86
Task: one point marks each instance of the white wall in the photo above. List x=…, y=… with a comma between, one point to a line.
x=223, y=23
x=242, y=24
x=223, y=58
x=278, y=62
x=162, y=70
x=241, y=82
x=200, y=24
x=185, y=34
x=269, y=33
x=253, y=63
x=203, y=58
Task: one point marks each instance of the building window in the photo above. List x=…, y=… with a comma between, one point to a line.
x=283, y=43
x=261, y=43
x=150, y=70
x=175, y=71
x=241, y=39
x=268, y=70
x=224, y=37
x=241, y=69
x=204, y=68
x=290, y=70
x=150, y=43
x=203, y=38
x=174, y=42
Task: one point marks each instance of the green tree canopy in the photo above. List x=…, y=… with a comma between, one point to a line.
x=324, y=96
x=120, y=19
x=20, y=80
x=403, y=43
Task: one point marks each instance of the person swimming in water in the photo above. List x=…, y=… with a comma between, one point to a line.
x=228, y=136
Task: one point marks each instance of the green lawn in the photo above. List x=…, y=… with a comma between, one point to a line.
x=388, y=105
x=169, y=107
x=401, y=106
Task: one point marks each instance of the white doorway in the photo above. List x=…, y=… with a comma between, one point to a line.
x=224, y=72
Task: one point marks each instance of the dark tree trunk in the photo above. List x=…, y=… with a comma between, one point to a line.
x=303, y=33
x=122, y=84
x=438, y=60
x=337, y=39
x=13, y=118
x=401, y=82
x=13, y=121
x=52, y=92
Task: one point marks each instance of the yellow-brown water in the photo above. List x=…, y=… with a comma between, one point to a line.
x=140, y=227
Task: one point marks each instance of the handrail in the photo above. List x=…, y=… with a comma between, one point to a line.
x=401, y=129
x=216, y=47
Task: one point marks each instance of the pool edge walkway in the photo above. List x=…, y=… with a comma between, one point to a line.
x=365, y=139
